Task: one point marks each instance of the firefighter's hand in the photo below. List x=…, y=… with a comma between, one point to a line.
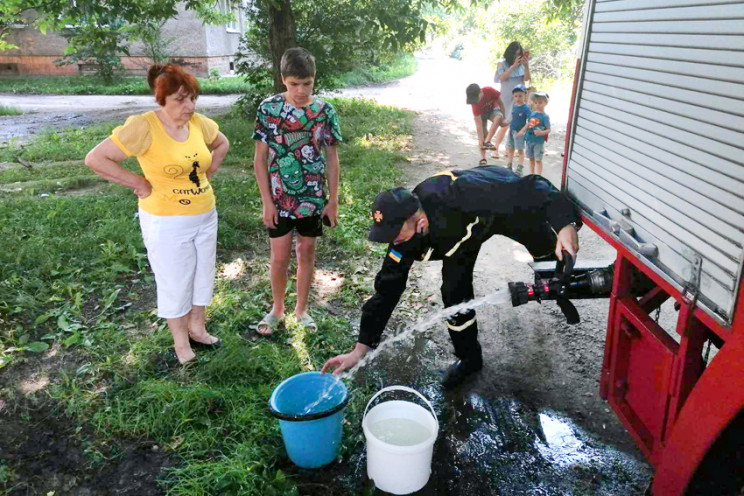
x=568, y=239
x=346, y=361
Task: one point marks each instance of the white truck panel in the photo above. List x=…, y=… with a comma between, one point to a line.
x=615, y=5
x=656, y=156
x=711, y=41
x=726, y=11
x=735, y=106
x=674, y=80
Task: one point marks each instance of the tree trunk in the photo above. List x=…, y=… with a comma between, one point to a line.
x=281, y=36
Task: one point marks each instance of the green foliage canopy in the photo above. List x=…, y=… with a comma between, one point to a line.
x=346, y=34
x=341, y=34
x=548, y=28
x=97, y=32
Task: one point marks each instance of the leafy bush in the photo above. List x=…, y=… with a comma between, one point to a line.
x=98, y=42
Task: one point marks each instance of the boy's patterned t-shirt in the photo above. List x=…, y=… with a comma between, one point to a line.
x=537, y=121
x=296, y=137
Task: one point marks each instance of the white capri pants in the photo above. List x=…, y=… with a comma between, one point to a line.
x=182, y=250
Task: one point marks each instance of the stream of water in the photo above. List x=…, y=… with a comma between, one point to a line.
x=499, y=297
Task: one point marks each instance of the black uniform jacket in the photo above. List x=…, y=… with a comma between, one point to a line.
x=464, y=209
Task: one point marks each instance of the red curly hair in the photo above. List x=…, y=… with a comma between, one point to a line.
x=167, y=79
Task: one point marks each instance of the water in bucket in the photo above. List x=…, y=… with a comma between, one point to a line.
x=400, y=431
x=400, y=442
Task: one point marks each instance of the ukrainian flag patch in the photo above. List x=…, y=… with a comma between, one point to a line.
x=394, y=255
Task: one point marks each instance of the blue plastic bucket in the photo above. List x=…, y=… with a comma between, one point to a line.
x=312, y=438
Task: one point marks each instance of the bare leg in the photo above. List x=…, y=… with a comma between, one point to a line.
x=281, y=251
x=510, y=156
x=521, y=157
x=482, y=134
x=197, y=326
x=305, y=251
x=180, y=332
x=492, y=130
x=538, y=167
x=532, y=165
x=499, y=138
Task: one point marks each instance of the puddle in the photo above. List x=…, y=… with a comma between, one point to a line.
x=500, y=446
x=560, y=443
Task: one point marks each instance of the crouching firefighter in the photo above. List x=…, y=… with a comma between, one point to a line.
x=448, y=217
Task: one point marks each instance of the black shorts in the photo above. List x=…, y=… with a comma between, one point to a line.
x=309, y=227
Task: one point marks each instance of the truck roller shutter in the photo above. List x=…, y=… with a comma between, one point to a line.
x=657, y=149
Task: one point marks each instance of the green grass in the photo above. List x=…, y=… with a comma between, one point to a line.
x=5, y=110
x=75, y=278
x=92, y=85
x=401, y=66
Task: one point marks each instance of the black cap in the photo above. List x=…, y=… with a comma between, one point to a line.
x=392, y=208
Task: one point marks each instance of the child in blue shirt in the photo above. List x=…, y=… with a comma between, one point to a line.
x=519, y=115
x=536, y=131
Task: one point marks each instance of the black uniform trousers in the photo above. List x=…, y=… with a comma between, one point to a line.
x=457, y=287
x=457, y=281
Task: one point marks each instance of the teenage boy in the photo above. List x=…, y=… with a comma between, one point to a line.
x=487, y=106
x=520, y=112
x=292, y=131
x=536, y=132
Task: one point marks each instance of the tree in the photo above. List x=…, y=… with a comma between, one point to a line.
x=100, y=29
x=281, y=33
x=150, y=33
x=9, y=15
x=340, y=33
x=99, y=42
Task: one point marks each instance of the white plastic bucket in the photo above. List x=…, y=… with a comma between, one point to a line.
x=395, y=468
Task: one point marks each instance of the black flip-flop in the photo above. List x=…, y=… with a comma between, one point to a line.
x=205, y=346
x=171, y=360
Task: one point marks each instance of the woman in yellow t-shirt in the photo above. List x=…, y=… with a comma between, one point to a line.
x=179, y=151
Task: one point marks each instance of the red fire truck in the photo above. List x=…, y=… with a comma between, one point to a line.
x=654, y=157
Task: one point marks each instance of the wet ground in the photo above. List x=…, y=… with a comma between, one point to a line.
x=488, y=444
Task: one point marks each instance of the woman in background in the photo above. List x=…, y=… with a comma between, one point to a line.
x=512, y=71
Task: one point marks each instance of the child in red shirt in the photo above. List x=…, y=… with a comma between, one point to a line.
x=487, y=106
